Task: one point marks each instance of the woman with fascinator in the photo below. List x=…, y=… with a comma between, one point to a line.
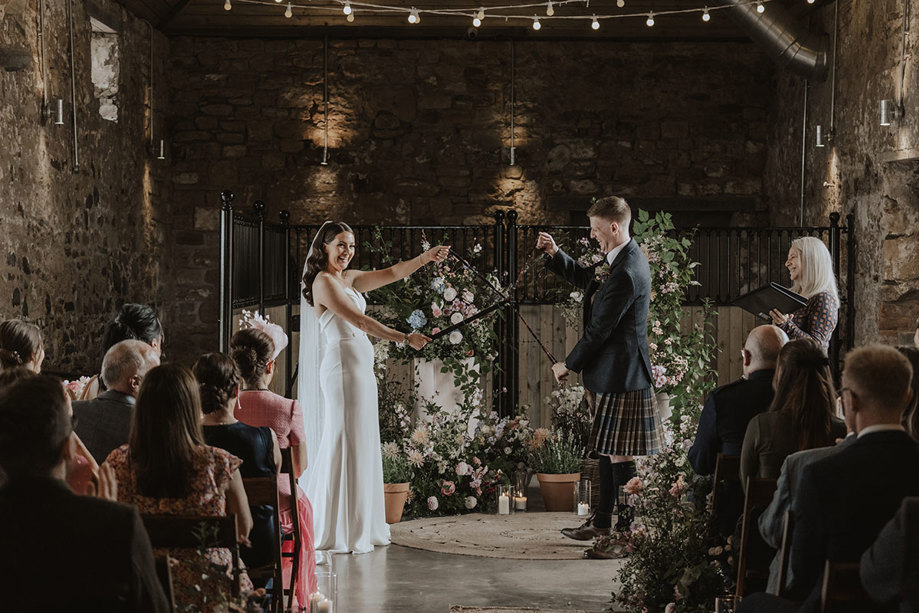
x=338, y=390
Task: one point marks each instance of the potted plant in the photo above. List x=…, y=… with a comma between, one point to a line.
x=557, y=464
x=397, y=473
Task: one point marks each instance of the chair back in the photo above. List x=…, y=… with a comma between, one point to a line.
x=727, y=495
x=264, y=491
x=295, y=535
x=164, y=574
x=727, y=470
x=842, y=589
x=788, y=532
x=193, y=532
x=755, y=554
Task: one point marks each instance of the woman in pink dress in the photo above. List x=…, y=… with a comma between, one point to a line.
x=254, y=351
x=166, y=469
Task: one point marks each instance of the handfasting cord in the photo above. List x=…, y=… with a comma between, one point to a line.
x=504, y=296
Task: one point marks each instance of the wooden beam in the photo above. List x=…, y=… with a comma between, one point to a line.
x=177, y=8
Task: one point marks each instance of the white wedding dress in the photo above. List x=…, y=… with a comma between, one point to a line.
x=345, y=476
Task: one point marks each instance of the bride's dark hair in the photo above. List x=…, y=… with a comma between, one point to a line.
x=317, y=260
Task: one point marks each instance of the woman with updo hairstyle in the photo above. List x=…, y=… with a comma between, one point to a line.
x=801, y=415
x=133, y=322
x=254, y=352
x=218, y=380
x=21, y=345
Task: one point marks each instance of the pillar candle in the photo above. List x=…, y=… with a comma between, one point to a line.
x=504, y=505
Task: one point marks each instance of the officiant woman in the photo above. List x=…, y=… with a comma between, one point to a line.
x=811, y=269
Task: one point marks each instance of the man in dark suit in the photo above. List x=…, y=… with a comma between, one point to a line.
x=844, y=500
x=103, y=423
x=729, y=408
x=612, y=355
x=889, y=569
x=62, y=551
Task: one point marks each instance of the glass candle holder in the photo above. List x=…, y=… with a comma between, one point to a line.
x=325, y=598
x=582, y=493
x=505, y=496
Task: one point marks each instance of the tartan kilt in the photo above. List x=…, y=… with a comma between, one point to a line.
x=626, y=423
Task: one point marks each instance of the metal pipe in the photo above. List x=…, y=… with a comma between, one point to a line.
x=803, y=155
x=152, y=105
x=325, y=100
x=903, y=53
x=73, y=90
x=786, y=41
x=833, y=73
x=41, y=46
x=513, y=156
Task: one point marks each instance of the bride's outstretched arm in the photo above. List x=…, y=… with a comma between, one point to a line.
x=330, y=294
x=369, y=280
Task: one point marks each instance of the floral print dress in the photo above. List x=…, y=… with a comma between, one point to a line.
x=213, y=470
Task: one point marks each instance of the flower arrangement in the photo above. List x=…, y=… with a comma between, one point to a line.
x=571, y=415
x=559, y=455
x=75, y=388
x=396, y=468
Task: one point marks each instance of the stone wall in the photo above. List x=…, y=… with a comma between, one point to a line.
x=77, y=242
x=852, y=174
x=419, y=132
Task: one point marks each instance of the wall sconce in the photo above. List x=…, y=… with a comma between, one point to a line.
x=55, y=111
x=823, y=137
x=161, y=150
x=513, y=156
x=890, y=112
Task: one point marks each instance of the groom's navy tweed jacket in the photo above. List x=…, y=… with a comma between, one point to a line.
x=612, y=355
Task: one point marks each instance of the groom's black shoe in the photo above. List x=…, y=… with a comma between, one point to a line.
x=586, y=531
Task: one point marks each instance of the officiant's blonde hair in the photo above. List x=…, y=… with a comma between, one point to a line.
x=816, y=268
x=611, y=208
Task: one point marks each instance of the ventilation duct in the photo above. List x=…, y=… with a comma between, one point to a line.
x=786, y=40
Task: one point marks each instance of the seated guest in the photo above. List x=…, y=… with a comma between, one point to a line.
x=889, y=569
x=772, y=520
x=916, y=334
x=254, y=351
x=104, y=422
x=167, y=469
x=729, y=408
x=810, y=267
x=845, y=499
x=134, y=322
x=62, y=551
x=218, y=379
x=911, y=415
x=800, y=416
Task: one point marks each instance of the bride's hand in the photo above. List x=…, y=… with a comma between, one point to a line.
x=435, y=254
x=417, y=341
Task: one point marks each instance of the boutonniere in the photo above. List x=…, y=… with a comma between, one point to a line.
x=601, y=272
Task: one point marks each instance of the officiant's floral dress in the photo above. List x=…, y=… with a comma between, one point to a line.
x=213, y=470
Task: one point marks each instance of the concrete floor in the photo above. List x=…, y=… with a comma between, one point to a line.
x=396, y=578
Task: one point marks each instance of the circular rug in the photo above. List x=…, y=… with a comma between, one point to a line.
x=522, y=536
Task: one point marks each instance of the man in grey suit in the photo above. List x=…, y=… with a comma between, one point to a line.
x=888, y=568
x=103, y=424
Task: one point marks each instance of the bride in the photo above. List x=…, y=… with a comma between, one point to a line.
x=338, y=391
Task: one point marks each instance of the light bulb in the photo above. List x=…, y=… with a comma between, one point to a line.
x=620, y=3
x=227, y=6
x=595, y=23
x=550, y=10
x=288, y=13
x=650, y=21
x=476, y=21
x=759, y=7
x=705, y=15
x=347, y=8
x=536, y=24
x=412, y=18
x=481, y=13
x=810, y=1
x=279, y=1
x=350, y=18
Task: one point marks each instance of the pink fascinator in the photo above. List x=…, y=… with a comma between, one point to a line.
x=276, y=332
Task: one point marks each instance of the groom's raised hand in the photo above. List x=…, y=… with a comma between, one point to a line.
x=560, y=371
x=545, y=242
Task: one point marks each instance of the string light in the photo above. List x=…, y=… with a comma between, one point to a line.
x=279, y=1
x=759, y=6
x=550, y=10
x=289, y=12
x=227, y=6
x=595, y=23
x=347, y=8
x=481, y=14
x=536, y=24
x=413, y=16
x=650, y=21
x=810, y=1
x=476, y=21
x=705, y=16
x=620, y=3
x=350, y=18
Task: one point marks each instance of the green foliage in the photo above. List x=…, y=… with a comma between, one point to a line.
x=396, y=468
x=559, y=455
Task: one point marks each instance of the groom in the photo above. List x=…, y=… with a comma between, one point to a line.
x=612, y=356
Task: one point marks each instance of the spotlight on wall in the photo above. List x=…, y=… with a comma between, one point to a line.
x=890, y=112
x=823, y=137
x=161, y=150
x=513, y=156
x=55, y=111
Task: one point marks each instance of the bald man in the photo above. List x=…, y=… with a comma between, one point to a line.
x=104, y=422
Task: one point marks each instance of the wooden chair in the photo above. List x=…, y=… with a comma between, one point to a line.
x=185, y=532
x=287, y=468
x=726, y=487
x=164, y=574
x=842, y=589
x=264, y=491
x=755, y=554
x=785, y=553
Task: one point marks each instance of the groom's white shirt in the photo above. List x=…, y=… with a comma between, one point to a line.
x=612, y=254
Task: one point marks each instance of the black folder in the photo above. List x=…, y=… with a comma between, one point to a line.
x=773, y=296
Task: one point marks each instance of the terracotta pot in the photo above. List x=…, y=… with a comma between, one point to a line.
x=558, y=490
x=396, y=494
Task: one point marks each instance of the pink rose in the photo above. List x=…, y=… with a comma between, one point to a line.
x=435, y=330
x=634, y=486
x=435, y=310
x=448, y=488
x=679, y=486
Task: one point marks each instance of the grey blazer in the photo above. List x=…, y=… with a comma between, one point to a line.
x=104, y=423
x=889, y=568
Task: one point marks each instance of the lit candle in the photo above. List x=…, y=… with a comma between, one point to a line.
x=520, y=503
x=504, y=505
x=324, y=606
x=315, y=598
x=583, y=509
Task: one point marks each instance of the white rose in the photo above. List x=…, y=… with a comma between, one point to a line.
x=468, y=296
x=456, y=317
x=470, y=502
x=449, y=294
x=433, y=503
x=462, y=469
x=455, y=337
